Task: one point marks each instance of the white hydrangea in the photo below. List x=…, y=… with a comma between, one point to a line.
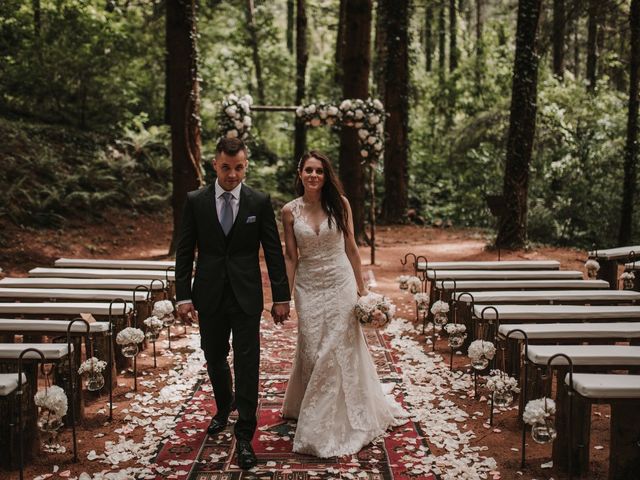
x=422, y=299
x=538, y=410
x=162, y=308
x=592, y=265
x=499, y=381
x=130, y=335
x=439, y=307
x=92, y=365
x=481, y=349
x=414, y=284
x=54, y=399
x=455, y=328
x=153, y=323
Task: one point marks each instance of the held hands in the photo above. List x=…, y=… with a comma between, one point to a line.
x=280, y=312
x=187, y=313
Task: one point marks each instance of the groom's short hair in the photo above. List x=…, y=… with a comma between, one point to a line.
x=230, y=146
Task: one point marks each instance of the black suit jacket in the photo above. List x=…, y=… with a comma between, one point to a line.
x=233, y=257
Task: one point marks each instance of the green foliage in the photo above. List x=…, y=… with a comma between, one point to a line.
x=50, y=174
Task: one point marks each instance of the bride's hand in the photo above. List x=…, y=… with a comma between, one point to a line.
x=364, y=292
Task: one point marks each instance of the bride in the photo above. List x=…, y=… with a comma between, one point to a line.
x=334, y=390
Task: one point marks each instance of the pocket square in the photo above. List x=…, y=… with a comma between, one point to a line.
x=251, y=219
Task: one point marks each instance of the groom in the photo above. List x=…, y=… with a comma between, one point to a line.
x=227, y=222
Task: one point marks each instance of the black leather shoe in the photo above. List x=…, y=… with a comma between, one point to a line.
x=216, y=426
x=246, y=456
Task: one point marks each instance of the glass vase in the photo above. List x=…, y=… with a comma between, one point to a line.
x=592, y=273
x=130, y=350
x=48, y=422
x=440, y=319
x=403, y=285
x=502, y=398
x=628, y=284
x=95, y=381
x=543, y=433
x=480, y=363
x=152, y=335
x=456, y=340
x=169, y=320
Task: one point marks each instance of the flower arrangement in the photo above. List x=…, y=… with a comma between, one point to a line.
x=367, y=116
x=414, y=284
x=628, y=279
x=538, y=410
x=422, y=300
x=53, y=399
x=374, y=310
x=455, y=328
x=592, y=267
x=499, y=381
x=403, y=282
x=129, y=335
x=163, y=310
x=480, y=353
x=92, y=365
x=153, y=323
x=234, y=119
x=440, y=307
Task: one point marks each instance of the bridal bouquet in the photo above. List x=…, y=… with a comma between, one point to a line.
x=374, y=310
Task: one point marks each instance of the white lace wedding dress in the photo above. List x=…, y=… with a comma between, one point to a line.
x=334, y=390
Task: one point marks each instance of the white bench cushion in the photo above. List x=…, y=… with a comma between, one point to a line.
x=51, y=351
x=23, y=326
x=558, y=312
x=100, y=273
x=113, y=263
x=504, y=274
x=603, y=355
x=75, y=294
x=60, y=308
x=90, y=283
x=9, y=382
x=572, y=330
x=605, y=385
x=620, y=253
x=501, y=265
x=470, y=285
x=546, y=296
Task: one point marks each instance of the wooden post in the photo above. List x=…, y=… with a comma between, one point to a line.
x=624, y=453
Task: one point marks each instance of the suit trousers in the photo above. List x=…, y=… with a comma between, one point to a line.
x=215, y=329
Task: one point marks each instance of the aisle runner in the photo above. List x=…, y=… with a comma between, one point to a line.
x=389, y=458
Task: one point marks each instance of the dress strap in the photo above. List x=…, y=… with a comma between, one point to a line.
x=296, y=207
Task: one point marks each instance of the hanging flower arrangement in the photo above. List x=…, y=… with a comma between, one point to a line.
x=129, y=338
x=414, y=284
x=503, y=387
x=422, y=300
x=163, y=310
x=481, y=352
x=154, y=325
x=440, y=311
x=592, y=267
x=403, y=282
x=457, y=334
x=234, y=119
x=92, y=368
x=537, y=413
x=53, y=406
x=628, y=279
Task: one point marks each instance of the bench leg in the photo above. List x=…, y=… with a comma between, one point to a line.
x=624, y=455
x=580, y=429
x=609, y=272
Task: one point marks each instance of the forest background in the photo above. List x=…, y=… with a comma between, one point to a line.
x=84, y=109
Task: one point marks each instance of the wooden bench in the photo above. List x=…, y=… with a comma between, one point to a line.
x=609, y=259
x=541, y=297
x=556, y=313
x=9, y=428
x=592, y=358
x=115, y=263
x=76, y=283
x=103, y=273
x=55, y=353
x=481, y=265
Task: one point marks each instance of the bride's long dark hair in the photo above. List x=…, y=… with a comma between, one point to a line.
x=332, y=191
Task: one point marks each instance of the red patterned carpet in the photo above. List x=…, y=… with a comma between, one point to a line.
x=192, y=455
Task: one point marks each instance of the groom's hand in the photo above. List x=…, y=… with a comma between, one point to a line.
x=187, y=313
x=280, y=312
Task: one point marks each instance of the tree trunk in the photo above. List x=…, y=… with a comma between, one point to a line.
x=576, y=47
x=253, y=40
x=442, y=31
x=512, y=230
x=631, y=150
x=558, y=38
x=479, y=64
x=184, y=100
x=453, y=37
x=37, y=19
x=380, y=49
x=290, y=24
x=395, y=16
x=357, y=63
x=340, y=43
x=592, y=44
x=300, y=142
x=428, y=36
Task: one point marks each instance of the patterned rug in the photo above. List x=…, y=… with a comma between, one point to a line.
x=191, y=454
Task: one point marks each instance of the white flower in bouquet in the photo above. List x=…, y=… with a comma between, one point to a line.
x=130, y=335
x=538, y=411
x=440, y=307
x=374, y=119
x=422, y=299
x=162, y=308
x=363, y=134
x=53, y=399
x=300, y=111
x=374, y=310
x=92, y=365
x=231, y=110
x=358, y=114
x=592, y=265
x=455, y=328
x=153, y=323
x=414, y=284
x=481, y=349
x=244, y=106
x=378, y=104
x=345, y=105
x=499, y=381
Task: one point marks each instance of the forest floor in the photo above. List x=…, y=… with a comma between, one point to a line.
x=148, y=237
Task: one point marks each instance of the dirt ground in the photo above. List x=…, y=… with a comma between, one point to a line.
x=148, y=237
